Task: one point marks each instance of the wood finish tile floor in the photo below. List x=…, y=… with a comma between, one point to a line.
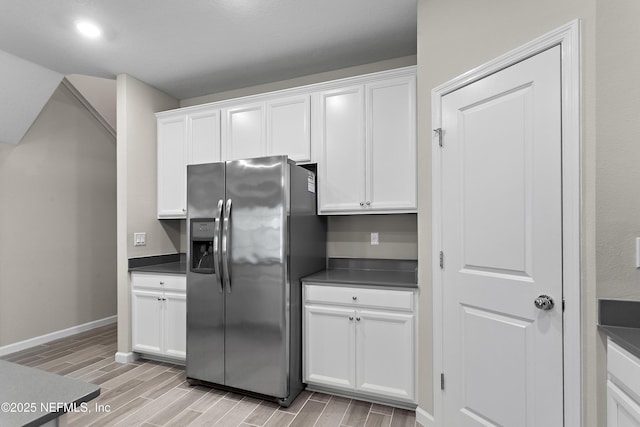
x=148, y=393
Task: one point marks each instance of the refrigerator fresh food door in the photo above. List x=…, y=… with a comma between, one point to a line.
x=205, y=297
x=256, y=283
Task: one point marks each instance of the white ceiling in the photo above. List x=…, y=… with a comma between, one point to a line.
x=189, y=48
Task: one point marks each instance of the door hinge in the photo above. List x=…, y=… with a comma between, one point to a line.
x=441, y=259
x=442, y=381
x=563, y=305
x=439, y=132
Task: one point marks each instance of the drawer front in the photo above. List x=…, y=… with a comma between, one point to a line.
x=623, y=369
x=174, y=282
x=360, y=297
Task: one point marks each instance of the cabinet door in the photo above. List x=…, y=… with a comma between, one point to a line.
x=329, y=346
x=288, y=128
x=203, y=137
x=622, y=410
x=172, y=172
x=385, y=354
x=146, y=321
x=175, y=324
x=391, y=145
x=244, y=132
x=342, y=150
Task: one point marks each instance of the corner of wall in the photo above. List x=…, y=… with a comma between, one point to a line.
x=137, y=103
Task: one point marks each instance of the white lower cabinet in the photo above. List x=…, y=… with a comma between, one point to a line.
x=146, y=321
x=159, y=315
x=384, y=353
x=623, y=387
x=355, y=342
x=330, y=346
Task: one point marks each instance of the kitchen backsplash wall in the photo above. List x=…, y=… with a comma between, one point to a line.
x=349, y=236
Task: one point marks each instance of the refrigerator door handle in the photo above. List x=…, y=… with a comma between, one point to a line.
x=217, y=266
x=226, y=246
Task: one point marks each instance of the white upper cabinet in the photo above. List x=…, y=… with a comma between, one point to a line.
x=203, y=137
x=341, y=131
x=361, y=131
x=367, y=148
x=243, y=132
x=289, y=127
x=172, y=175
x=391, y=145
x=183, y=139
x=280, y=126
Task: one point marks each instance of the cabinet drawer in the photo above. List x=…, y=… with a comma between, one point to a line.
x=176, y=282
x=623, y=369
x=360, y=297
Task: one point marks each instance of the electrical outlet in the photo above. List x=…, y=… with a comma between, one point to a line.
x=375, y=238
x=139, y=239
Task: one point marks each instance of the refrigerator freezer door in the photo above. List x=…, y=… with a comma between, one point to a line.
x=257, y=301
x=205, y=299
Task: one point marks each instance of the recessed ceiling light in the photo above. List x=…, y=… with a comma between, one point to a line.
x=88, y=29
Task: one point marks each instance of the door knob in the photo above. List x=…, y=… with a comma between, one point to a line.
x=544, y=302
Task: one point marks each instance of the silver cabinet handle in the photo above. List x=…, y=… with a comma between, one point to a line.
x=358, y=318
x=226, y=246
x=362, y=204
x=368, y=204
x=544, y=302
x=350, y=317
x=161, y=282
x=355, y=298
x=217, y=268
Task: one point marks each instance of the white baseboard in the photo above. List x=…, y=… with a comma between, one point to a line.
x=424, y=418
x=126, y=357
x=43, y=339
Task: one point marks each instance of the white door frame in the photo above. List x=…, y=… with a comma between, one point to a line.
x=568, y=37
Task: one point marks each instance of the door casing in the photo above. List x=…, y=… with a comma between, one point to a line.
x=568, y=38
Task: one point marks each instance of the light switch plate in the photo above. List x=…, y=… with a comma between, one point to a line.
x=139, y=239
x=375, y=238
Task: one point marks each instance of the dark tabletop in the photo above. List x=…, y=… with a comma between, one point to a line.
x=31, y=397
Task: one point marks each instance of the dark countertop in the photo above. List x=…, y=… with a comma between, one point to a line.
x=28, y=395
x=367, y=272
x=620, y=320
x=167, y=267
x=627, y=338
x=165, y=264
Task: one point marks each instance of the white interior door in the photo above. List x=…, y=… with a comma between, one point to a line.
x=502, y=245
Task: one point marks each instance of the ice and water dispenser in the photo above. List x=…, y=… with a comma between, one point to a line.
x=202, y=239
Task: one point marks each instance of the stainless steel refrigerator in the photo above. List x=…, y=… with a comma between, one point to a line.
x=253, y=231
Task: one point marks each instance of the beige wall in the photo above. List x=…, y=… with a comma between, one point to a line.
x=57, y=223
x=404, y=61
x=350, y=236
x=618, y=151
x=456, y=36
x=137, y=103
x=618, y=158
